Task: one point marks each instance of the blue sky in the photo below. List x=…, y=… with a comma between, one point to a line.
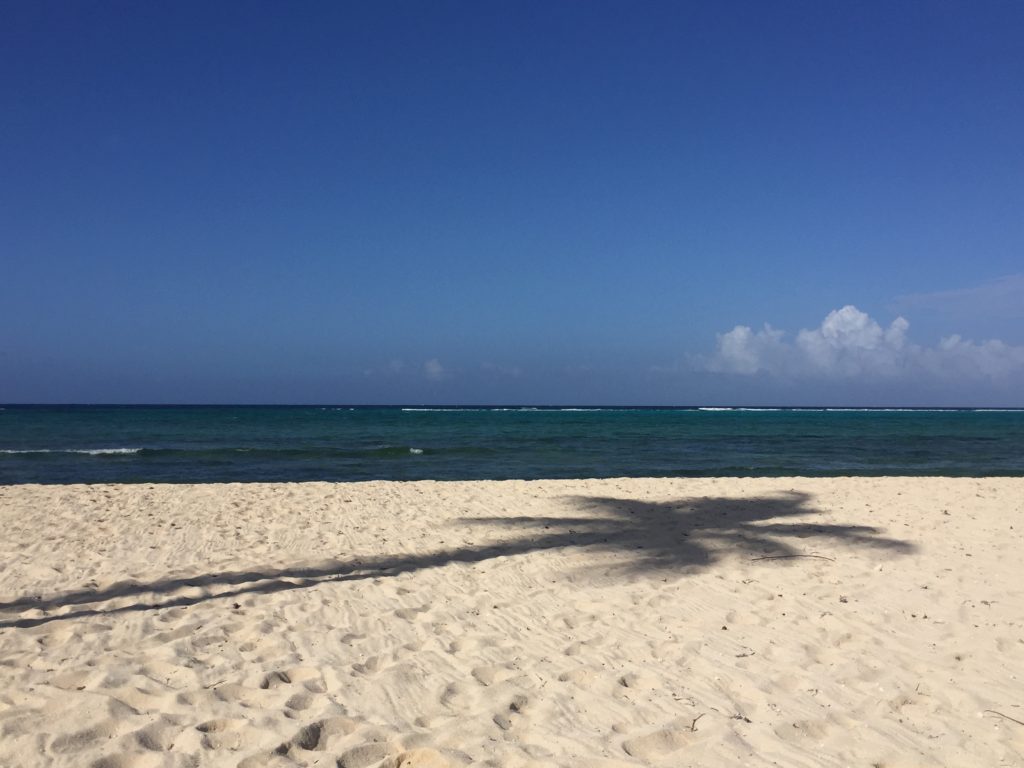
x=512, y=202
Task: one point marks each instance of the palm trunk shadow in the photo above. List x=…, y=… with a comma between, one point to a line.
x=654, y=536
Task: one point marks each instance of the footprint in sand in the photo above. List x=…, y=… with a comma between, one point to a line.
x=222, y=734
x=655, y=745
x=371, y=666
x=574, y=649
x=158, y=736
x=637, y=680
x=318, y=736
x=410, y=614
x=301, y=701
x=128, y=760
x=238, y=694
x=456, y=695
x=274, y=679
x=419, y=758
x=513, y=714
x=492, y=673
x=582, y=677
x=363, y=756
x=80, y=740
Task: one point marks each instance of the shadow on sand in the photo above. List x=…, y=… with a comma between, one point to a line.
x=684, y=534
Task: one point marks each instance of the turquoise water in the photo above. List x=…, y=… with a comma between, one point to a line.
x=50, y=444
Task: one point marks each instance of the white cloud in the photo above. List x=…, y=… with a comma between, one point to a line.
x=742, y=350
x=1001, y=298
x=850, y=344
x=433, y=369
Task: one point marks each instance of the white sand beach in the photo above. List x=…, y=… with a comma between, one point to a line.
x=664, y=622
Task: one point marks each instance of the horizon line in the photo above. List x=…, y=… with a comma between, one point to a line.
x=494, y=406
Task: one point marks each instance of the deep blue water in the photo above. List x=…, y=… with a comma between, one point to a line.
x=64, y=444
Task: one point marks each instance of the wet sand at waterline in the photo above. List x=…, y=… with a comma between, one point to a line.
x=668, y=622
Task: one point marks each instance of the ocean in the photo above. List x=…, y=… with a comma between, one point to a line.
x=194, y=444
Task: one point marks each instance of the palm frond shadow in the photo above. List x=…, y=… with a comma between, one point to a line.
x=697, y=532
x=682, y=534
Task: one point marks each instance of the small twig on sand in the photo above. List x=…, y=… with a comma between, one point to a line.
x=789, y=557
x=1007, y=717
x=693, y=725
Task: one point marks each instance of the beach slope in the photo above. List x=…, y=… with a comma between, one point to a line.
x=666, y=622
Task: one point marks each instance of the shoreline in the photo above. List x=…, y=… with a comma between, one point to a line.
x=513, y=480
x=613, y=622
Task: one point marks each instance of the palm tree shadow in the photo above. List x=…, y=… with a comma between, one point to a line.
x=651, y=537
x=685, y=534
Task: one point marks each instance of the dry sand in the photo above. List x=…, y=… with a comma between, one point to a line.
x=790, y=621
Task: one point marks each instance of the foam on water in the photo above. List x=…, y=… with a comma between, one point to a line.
x=85, y=451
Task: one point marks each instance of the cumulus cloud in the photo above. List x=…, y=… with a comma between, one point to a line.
x=850, y=344
x=433, y=369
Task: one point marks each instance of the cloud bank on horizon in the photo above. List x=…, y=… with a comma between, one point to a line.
x=849, y=344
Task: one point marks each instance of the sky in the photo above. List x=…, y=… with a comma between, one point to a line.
x=682, y=203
